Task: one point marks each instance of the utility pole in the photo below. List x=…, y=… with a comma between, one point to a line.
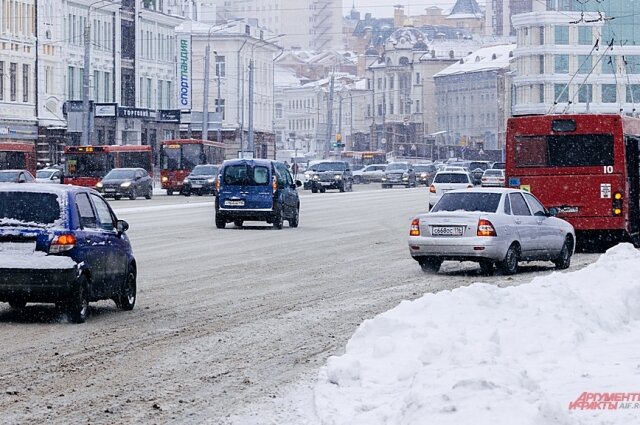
x=205, y=96
x=329, y=118
x=250, y=146
x=218, y=106
x=86, y=110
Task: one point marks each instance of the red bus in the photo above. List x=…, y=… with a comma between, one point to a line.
x=87, y=165
x=178, y=157
x=585, y=166
x=361, y=159
x=18, y=155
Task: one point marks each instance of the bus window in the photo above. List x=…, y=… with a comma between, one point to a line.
x=531, y=151
x=191, y=155
x=135, y=160
x=171, y=158
x=94, y=165
x=12, y=160
x=580, y=150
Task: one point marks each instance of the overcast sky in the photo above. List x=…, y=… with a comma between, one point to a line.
x=384, y=8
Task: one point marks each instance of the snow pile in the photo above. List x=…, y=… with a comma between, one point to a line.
x=34, y=260
x=488, y=355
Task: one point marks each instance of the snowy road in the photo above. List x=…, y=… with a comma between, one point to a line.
x=225, y=318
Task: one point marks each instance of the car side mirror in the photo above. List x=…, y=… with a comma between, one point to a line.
x=553, y=211
x=298, y=183
x=122, y=226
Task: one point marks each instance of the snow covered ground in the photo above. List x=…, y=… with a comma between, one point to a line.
x=563, y=349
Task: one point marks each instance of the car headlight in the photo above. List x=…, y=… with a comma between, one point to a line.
x=405, y=175
x=337, y=177
x=125, y=184
x=212, y=180
x=99, y=185
x=185, y=181
x=384, y=178
x=423, y=175
x=164, y=179
x=316, y=177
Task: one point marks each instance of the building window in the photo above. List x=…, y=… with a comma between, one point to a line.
x=562, y=34
x=541, y=33
x=584, y=35
x=633, y=93
x=417, y=106
x=278, y=110
x=96, y=86
x=609, y=65
x=107, y=87
x=220, y=66
x=560, y=93
x=380, y=113
x=541, y=63
x=13, y=83
x=391, y=79
x=417, y=78
x=148, y=93
x=584, y=93
x=25, y=83
x=609, y=93
x=584, y=64
x=219, y=104
x=632, y=64
x=541, y=93
x=1, y=80
x=379, y=83
x=561, y=64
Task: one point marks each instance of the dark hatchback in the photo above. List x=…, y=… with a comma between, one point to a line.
x=201, y=181
x=64, y=245
x=131, y=182
x=256, y=189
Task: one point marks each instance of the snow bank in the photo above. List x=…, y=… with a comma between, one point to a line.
x=34, y=260
x=488, y=355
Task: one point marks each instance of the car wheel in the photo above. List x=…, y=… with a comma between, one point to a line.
x=314, y=190
x=133, y=195
x=126, y=298
x=295, y=219
x=486, y=267
x=117, y=197
x=430, y=264
x=357, y=179
x=186, y=193
x=17, y=304
x=200, y=193
x=343, y=186
x=149, y=194
x=323, y=190
x=277, y=219
x=564, y=259
x=78, y=305
x=169, y=192
x=510, y=263
x=238, y=223
x=384, y=186
x=220, y=222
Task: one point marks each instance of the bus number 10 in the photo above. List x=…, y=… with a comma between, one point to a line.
x=608, y=169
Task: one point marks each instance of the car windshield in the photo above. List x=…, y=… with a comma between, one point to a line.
x=397, y=167
x=451, y=178
x=120, y=174
x=499, y=165
x=331, y=166
x=469, y=201
x=473, y=165
x=44, y=174
x=246, y=175
x=9, y=176
x=204, y=170
x=29, y=207
x=422, y=168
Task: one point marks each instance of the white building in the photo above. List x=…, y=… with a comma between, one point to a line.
x=562, y=64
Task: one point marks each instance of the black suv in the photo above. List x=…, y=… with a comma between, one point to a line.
x=332, y=175
x=399, y=173
x=201, y=181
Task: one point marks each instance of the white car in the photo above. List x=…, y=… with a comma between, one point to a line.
x=370, y=173
x=492, y=226
x=492, y=177
x=445, y=181
x=49, y=175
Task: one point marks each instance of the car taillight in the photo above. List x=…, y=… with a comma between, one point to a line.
x=62, y=243
x=432, y=189
x=217, y=185
x=470, y=186
x=415, y=227
x=485, y=228
x=616, y=204
x=274, y=184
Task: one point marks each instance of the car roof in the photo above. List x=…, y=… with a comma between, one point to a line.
x=255, y=161
x=489, y=190
x=453, y=172
x=57, y=189
x=127, y=169
x=14, y=170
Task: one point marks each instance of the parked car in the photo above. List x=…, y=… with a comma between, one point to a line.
x=492, y=226
x=201, y=180
x=445, y=181
x=131, y=182
x=425, y=173
x=256, y=189
x=332, y=175
x=492, y=177
x=370, y=173
x=64, y=245
x=50, y=175
x=16, y=176
x=399, y=173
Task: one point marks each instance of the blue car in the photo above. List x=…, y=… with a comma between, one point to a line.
x=63, y=245
x=256, y=189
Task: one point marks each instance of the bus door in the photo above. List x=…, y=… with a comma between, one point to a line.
x=633, y=182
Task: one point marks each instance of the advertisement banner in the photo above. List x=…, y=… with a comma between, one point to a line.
x=184, y=71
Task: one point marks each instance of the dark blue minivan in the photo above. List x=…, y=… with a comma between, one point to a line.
x=256, y=189
x=64, y=245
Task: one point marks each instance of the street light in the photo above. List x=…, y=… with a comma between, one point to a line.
x=86, y=117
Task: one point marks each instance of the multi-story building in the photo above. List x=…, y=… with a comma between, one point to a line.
x=498, y=14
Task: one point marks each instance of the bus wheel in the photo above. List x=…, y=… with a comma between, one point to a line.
x=169, y=192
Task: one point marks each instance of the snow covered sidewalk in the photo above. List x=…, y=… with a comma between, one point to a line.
x=564, y=349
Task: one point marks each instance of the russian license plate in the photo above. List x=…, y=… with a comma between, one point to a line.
x=196, y=186
x=109, y=190
x=234, y=203
x=18, y=247
x=325, y=183
x=447, y=230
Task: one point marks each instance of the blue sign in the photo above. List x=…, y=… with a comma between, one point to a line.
x=514, y=181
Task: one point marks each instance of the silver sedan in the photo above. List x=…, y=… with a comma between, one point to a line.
x=491, y=226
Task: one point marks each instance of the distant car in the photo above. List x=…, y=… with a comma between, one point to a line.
x=16, y=176
x=49, y=175
x=256, y=189
x=131, y=182
x=332, y=175
x=201, y=181
x=308, y=174
x=370, y=173
x=492, y=177
x=64, y=245
x=425, y=173
x=492, y=226
x=399, y=173
x=498, y=166
x=445, y=181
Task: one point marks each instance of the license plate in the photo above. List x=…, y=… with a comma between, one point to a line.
x=109, y=190
x=18, y=247
x=234, y=203
x=196, y=186
x=325, y=183
x=447, y=230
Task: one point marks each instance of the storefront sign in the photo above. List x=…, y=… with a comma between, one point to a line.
x=184, y=72
x=169, y=115
x=133, y=113
x=105, y=109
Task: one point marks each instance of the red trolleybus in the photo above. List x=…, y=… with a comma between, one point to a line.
x=18, y=155
x=363, y=158
x=87, y=165
x=585, y=166
x=178, y=157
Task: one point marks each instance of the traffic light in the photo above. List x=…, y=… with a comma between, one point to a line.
x=338, y=143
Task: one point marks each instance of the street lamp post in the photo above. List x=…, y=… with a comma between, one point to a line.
x=86, y=110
